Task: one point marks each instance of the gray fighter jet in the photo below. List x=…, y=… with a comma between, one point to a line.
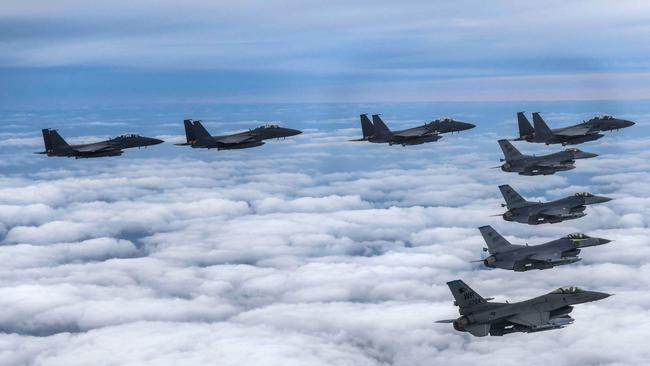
x=539, y=165
x=571, y=135
x=55, y=145
x=198, y=137
x=377, y=131
x=480, y=317
x=534, y=213
x=522, y=258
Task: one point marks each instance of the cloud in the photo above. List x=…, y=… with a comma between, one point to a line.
x=311, y=252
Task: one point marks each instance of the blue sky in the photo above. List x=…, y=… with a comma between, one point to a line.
x=295, y=51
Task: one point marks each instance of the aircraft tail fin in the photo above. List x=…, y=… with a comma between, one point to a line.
x=525, y=128
x=189, y=131
x=495, y=242
x=53, y=140
x=512, y=198
x=464, y=295
x=200, y=131
x=380, y=127
x=366, y=126
x=46, y=139
x=542, y=131
x=509, y=151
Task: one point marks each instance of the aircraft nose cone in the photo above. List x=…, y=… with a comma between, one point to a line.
x=293, y=132
x=599, y=295
x=153, y=141
x=603, y=241
x=602, y=199
x=585, y=155
x=597, y=199
x=462, y=126
x=626, y=123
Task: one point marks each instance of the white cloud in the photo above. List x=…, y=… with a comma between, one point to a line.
x=267, y=259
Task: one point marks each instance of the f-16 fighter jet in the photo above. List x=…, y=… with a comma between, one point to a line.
x=576, y=134
x=481, y=317
x=522, y=258
x=539, y=165
x=534, y=213
x=55, y=145
x=198, y=137
x=377, y=131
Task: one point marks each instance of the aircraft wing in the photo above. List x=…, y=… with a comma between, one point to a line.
x=531, y=318
x=554, y=211
x=573, y=131
x=413, y=132
x=236, y=139
x=549, y=165
x=94, y=148
x=550, y=256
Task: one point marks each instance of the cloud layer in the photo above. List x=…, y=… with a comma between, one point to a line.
x=284, y=255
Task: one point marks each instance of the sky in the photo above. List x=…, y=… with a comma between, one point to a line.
x=72, y=52
x=312, y=250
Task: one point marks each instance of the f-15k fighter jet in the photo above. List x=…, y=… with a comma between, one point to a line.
x=539, y=165
x=481, y=317
x=586, y=131
x=522, y=258
x=534, y=213
x=55, y=145
x=377, y=131
x=198, y=137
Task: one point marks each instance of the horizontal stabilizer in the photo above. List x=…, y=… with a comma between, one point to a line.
x=478, y=330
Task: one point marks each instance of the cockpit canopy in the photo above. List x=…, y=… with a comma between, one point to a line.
x=442, y=120
x=568, y=290
x=128, y=136
x=577, y=236
x=269, y=126
x=573, y=149
x=584, y=194
x=604, y=116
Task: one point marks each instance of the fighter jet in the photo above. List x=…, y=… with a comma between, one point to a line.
x=535, y=213
x=522, y=258
x=198, y=137
x=481, y=317
x=571, y=135
x=55, y=145
x=377, y=131
x=539, y=165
